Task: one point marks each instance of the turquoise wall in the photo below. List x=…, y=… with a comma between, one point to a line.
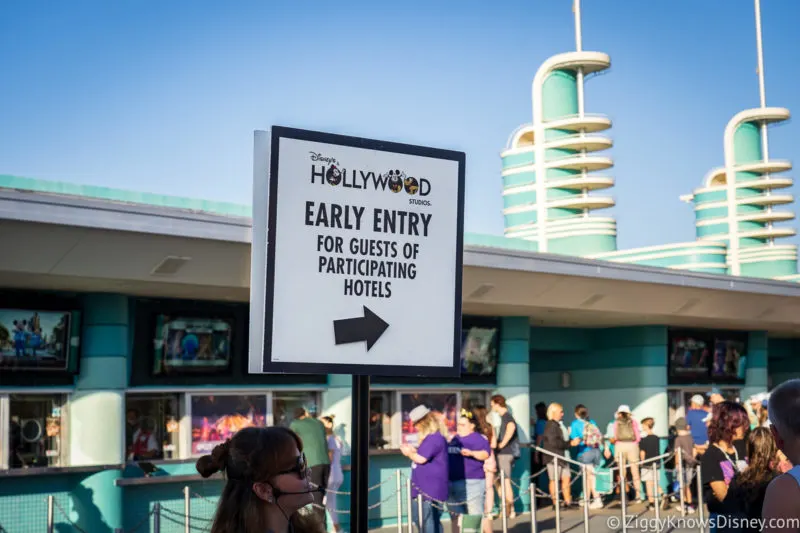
x=555, y=193
x=747, y=144
x=607, y=367
x=769, y=269
x=709, y=196
x=23, y=504
x=784, y=360
x=519, y=178
x=713, y=212
x=517, y=219
x=582, y=244
x=756, y=378
x=559, y=95
x=554, y=174
x=671, y=261
x=520, y=198
x=712, y=229
x=516, y=160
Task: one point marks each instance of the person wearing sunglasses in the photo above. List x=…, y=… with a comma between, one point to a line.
x=467, y=452
x=267, y=483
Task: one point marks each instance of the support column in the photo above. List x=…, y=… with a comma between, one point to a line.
x=513, y=382
x=337, y=401
x=97, y=411
x=756, y=376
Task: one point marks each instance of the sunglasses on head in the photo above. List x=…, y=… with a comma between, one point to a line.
x=467, y=414
x=300, y=468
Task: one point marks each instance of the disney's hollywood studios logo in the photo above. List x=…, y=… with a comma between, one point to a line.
x=394, y=180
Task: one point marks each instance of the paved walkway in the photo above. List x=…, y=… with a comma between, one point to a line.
x=607, y=520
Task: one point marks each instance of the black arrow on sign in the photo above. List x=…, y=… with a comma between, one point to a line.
x=368, y=328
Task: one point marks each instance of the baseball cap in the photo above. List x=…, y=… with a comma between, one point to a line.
x=680, y=424
x=698, y=399
x=418, y=413
x=624, y=409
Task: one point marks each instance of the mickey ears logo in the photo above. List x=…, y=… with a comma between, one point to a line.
x=397, y=181
x=334, y=175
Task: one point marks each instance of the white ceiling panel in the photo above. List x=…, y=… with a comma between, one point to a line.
x=35, y=248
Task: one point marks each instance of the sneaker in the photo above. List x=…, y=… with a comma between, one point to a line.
x=690, y=509
x=597, y=503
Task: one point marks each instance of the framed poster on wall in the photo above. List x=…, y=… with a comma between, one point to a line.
x=215, y=418
x=706, y=356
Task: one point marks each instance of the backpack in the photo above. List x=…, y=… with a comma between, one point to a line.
x=591, y=435
x=625, y=431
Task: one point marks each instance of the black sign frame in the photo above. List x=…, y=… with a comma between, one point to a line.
x=270, y=366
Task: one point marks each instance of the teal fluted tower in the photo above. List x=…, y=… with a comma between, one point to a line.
x=740, y=203
x=552, y=166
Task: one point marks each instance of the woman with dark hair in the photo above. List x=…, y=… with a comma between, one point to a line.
x=722, y=461
x=267, y=483
x=746, y=491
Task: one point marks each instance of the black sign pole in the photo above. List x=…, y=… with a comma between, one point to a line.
x=359, y=459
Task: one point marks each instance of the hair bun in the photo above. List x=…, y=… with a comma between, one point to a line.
x=208, y=465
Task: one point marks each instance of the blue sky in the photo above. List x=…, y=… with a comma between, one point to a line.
x=164, y=96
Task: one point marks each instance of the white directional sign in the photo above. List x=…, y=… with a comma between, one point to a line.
x=364, y=255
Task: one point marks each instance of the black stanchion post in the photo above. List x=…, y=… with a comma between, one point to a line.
x=359, y=460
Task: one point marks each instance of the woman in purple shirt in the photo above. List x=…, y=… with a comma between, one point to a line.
x=429, y=468
x=466, y=452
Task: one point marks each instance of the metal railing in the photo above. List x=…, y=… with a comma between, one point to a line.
x=196, y=513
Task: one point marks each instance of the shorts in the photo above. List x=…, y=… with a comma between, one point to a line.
x=563, y=467
x=471, y=491
x=630, y=450
x=688, y=475
x=647, y=472
x=591, y=457
x=505, y=463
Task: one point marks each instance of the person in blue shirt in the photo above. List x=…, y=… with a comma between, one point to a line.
x=588, y=442
x=697, y=418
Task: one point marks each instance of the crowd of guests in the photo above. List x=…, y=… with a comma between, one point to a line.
x=746, y=460
x=741, y=448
